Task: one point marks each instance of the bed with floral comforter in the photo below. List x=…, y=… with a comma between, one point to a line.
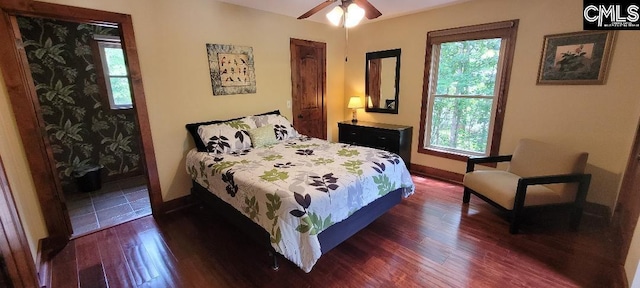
x=299, y=187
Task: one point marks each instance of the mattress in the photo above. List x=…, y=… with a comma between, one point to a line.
x=299, y=187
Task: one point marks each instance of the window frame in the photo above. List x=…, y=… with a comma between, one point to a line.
x=104, y=79
x=507, y=31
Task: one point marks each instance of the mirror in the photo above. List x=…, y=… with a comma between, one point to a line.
x=382, y=81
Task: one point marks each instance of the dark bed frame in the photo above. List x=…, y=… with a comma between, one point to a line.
x=329, y=238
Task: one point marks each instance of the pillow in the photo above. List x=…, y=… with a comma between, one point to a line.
x=281, y=126
x=227, y=136
x=193, y=129
x=263, y=136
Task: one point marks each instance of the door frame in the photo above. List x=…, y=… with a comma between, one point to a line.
x=627, y=209
x=25, y=105
x=293, y=42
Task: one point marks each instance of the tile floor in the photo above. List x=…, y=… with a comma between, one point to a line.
x=115, y=203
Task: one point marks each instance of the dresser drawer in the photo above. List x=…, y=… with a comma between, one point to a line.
x=382, y=140
x=370, y=137
x=388, y=137
x=366, y=136
x=350, y=135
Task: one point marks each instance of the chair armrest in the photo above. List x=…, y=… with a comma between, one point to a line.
x=472, y=161
x=552, y=179
x=583, y=179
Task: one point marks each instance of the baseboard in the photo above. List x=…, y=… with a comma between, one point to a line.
x=436, y=173
x=600, y=211
x=177, y=204
x=126, y=175
x=43, y=261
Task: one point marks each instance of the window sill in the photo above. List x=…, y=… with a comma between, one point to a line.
x=451, y=155
x=120, y=111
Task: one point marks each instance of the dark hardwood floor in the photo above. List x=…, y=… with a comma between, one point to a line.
x=429, y=240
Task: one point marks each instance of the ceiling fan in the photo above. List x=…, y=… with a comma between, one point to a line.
x=369, y=10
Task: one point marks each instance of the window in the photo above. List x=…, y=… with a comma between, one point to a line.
x=466, y=80
x=115, y=73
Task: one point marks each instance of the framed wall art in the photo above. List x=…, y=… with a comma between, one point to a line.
x=578, y=58
x=390, y=104
x=232, y=70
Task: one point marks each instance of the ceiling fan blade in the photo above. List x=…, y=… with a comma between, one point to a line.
x=316, y=9
x=371, y=12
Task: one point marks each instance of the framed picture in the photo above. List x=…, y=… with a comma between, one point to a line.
x=231, y=69
x=390, y=104
x=575, y=58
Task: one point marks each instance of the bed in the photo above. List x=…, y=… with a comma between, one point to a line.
x=299, y=196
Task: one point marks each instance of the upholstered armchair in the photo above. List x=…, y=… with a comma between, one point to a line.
x=539, y=174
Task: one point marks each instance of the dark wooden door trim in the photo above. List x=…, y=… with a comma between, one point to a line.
x=17, y=78
x=15, y=250
x=627, y=210
x=295, y=80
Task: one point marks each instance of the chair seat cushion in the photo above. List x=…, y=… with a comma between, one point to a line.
x=500, y=186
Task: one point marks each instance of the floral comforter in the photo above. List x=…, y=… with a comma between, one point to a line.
x=297, y=188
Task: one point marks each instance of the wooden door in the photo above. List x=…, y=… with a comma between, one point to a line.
x=627, y=208
x=375, y=82
x=308, y=78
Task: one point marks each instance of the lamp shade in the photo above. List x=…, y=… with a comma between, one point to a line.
x=354, y=102
x=335, y=15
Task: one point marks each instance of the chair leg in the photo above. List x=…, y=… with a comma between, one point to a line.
x=581, y=197
x=518, y=206
x=515, y=222
x=467, y=195
x=576, y=217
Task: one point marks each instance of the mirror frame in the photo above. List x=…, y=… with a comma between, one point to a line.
x=393, y=53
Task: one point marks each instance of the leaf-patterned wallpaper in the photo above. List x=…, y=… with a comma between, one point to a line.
x=80, y=130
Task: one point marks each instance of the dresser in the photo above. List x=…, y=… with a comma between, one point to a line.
x=389, y=137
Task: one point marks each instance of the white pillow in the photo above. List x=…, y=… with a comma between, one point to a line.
x=281, y=126
x=227, y=136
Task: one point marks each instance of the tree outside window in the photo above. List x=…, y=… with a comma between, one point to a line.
x=115, y=74
x=467, y=73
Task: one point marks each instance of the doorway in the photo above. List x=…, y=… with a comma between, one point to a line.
x=308, y=78
x=92, y=139
x=28, y=113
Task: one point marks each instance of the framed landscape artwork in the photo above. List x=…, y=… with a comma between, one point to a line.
x=575, y=58
x=232, y=70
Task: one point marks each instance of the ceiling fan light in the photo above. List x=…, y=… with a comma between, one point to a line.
x=335, y=15
x=354, y=15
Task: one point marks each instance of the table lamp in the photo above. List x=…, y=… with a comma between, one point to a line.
x=354, y=103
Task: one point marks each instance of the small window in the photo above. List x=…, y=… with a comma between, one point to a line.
x=115, y=73
x=467, y=75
